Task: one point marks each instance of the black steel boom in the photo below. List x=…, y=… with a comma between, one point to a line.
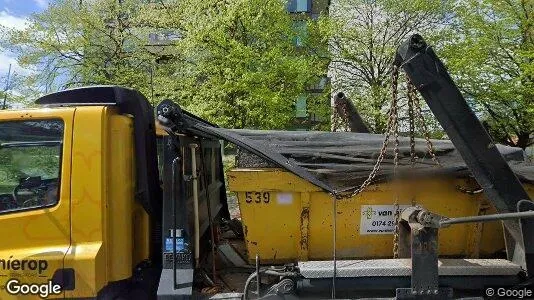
x=500, y=184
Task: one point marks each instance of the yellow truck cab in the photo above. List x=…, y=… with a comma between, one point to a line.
x=81, y=198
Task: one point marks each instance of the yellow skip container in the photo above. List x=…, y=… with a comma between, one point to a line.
x=287, y=219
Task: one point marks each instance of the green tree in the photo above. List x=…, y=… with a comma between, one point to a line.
x=74, y=43
x=490, y=52
x=364, y=36
x=14, y=94
x=236, y=62
x=233, y=62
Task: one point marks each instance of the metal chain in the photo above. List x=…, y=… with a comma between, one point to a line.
x=389, y=128
x=422, y=123
x=335, y=119
x=396, y=135
x=394, y=90
x=411, y=119
x=392, y=128
x=338, y=120
x=411, y=93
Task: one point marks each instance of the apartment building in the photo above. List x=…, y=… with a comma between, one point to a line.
x=304, y=11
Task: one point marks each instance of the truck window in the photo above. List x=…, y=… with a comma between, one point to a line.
x=30, y=161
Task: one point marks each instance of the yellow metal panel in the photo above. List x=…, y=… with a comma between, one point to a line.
x=41, y=234
x=89, y=262
x=102, y=200
x=275, y=230
x=98, y=156
x=88, y=254
x=120, y=197
x=270, y=230
x=142, y=229
x=437, y=196
x=268, y=179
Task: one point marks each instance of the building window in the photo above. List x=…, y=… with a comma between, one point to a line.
x=301, y=107
x=30, y=152
x=298, y=6
x=301, y=32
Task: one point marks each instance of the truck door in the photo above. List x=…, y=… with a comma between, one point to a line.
x=35, y=234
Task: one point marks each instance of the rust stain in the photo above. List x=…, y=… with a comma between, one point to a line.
x=304, y=220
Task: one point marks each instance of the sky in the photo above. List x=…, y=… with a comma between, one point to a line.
x=13, y=14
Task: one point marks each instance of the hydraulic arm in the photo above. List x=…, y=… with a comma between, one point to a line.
x=428, y=74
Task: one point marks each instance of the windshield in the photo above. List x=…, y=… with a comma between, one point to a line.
x=30, y=160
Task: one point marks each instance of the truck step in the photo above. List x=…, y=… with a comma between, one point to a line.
x=402, y=267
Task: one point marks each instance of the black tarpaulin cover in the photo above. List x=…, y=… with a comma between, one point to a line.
x=344, y=160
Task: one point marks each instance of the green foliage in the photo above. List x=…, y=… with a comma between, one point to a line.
x=24, y=162
x=75, y=43
x=22, y=158
x=239, y=65
x=488, y=46
x=364, y=36
x=17, y=92
x=235, y=62
x=490, y=50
